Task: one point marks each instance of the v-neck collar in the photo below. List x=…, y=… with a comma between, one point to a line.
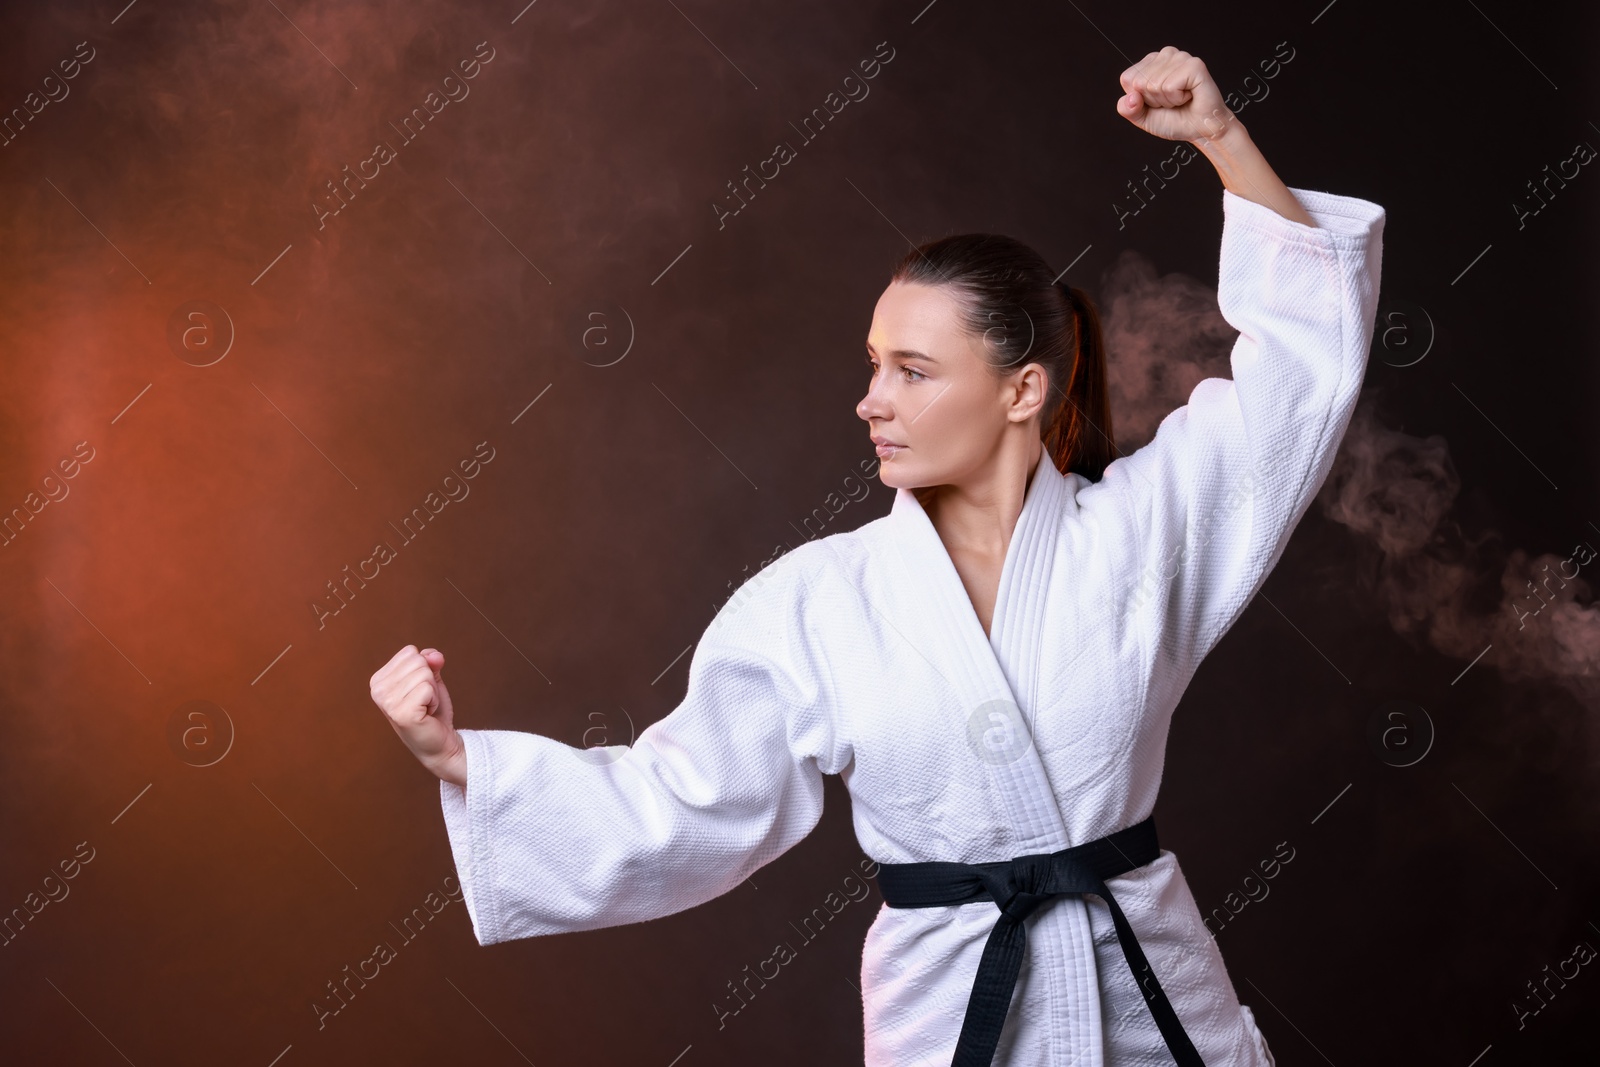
x=1041, y=507
x=998, y=670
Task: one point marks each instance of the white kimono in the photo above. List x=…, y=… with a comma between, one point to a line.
x=860, y=654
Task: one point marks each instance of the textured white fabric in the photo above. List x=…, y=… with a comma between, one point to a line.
x=860, y=654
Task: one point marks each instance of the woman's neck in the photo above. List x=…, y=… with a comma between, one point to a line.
x=980, y=514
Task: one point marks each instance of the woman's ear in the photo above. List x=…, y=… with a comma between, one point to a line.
x=1030, y=387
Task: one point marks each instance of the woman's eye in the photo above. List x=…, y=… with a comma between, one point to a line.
x=907, y=370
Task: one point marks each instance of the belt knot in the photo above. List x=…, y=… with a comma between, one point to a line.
x=1023, y=886
x=1018, y=887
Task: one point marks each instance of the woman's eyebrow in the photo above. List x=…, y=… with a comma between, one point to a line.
x=904, y=353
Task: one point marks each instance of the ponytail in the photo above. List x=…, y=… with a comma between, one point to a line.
x=1078, y=436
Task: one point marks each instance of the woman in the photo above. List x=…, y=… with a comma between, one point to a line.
x=991, y=667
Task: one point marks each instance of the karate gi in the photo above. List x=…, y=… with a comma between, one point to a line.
x=860, y=654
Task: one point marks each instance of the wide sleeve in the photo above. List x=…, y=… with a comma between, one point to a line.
x=1220, y=489
x=548, y=838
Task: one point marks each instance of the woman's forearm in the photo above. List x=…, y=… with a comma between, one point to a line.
x=1245, y=172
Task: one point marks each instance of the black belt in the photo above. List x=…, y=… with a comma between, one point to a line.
x=1018, y=886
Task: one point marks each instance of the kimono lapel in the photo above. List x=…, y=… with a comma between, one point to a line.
x=997, y=681
x=995, y=676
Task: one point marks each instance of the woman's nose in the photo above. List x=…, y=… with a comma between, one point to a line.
x=872, y=406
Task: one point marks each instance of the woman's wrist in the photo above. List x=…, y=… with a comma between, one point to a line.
x=452, y=768
x=1245, y=172
x=1226, y=143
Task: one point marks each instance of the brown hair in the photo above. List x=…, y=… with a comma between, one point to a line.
x=1010, y=300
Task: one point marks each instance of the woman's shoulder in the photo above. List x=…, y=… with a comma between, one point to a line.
x=835, y=565
x=842, y=556
x=815, y=577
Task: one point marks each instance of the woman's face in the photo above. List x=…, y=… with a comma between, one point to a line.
x=941, y=413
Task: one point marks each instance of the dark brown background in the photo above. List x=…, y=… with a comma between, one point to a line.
x=375, y=353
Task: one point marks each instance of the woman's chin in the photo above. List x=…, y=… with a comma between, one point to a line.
x=897, y=473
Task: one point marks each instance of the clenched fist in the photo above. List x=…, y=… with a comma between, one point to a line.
x=412, y=696
x=1171, y=94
